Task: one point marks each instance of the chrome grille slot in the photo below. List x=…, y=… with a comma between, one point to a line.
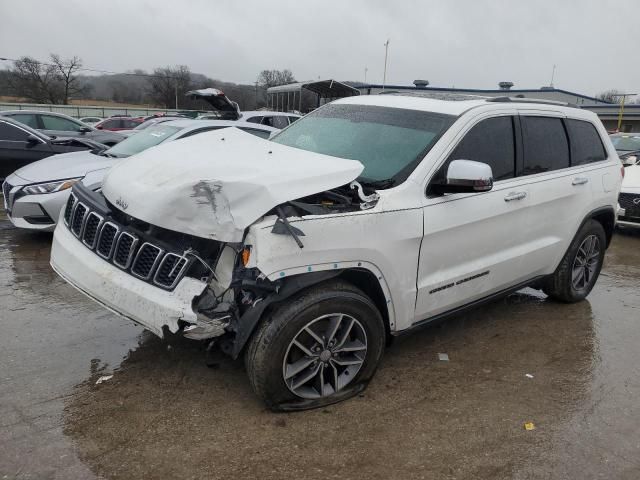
x=170, y=270
x=124, y=250
x=106, y=240
x=68, y=209
x=77, y=220
x=91, y=227
x=146, y=261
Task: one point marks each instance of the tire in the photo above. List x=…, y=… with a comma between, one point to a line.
x=322, y=309
x=569, y=285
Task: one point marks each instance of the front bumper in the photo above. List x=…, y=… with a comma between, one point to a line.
x=36, y=212
x=123, y=294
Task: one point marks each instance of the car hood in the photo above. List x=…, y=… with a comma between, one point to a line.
x=64, y=165
x=215, y=184
x=631, y=179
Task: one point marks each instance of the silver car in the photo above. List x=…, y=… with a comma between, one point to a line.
x=59, y=125
x=36, y=193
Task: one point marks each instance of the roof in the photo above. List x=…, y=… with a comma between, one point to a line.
x=325, y=88
x=458, y=107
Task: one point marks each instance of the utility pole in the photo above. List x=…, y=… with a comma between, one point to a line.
x=176, y=93
x=621, y=111
x=553, y=74
x=386, y=54
x=365, y=74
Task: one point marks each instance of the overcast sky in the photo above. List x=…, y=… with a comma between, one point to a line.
x=464, y=43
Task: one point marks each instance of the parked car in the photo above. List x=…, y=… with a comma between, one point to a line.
x=625, y=142
x=59, y=125
x=91, y=121
x=21, y=145
x=115, y=124
x=272, y=119
x=41, y=188
x=629, y=199
x=368, y=218
x=148, y=123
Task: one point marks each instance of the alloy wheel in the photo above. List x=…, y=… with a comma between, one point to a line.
x=586, y=262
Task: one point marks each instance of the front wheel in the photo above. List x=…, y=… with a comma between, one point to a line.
x=580, y=266
x=321, y=347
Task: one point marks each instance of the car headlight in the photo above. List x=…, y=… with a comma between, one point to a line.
x=50, y=187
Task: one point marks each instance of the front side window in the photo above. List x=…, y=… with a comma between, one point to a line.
x=586, y=146
x=50, y=122
x=546, y=147
x=389, y=142
x=141, y=141
x=492, y=142
x=12, y=134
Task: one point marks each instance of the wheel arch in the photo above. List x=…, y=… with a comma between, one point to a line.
x=366, y=277
x=606, y=217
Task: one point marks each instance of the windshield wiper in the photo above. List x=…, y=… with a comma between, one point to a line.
x=382, y=184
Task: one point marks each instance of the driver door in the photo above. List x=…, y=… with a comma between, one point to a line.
x=472, y=244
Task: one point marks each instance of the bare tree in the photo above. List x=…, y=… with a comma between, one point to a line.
x=169, y=84
x=35, y=81
x=273, y=78
x=612, y=96
x=66, y=70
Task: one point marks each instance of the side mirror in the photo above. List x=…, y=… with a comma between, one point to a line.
x=466, y=176
x=99, y=127
x=32, y=140
x=84, y=129
x=630, y=160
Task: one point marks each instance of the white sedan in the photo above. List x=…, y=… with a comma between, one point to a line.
x=35, y=194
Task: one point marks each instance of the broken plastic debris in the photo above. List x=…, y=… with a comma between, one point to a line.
x=529, y=426
x=104, y=379
x=528, y=375
x=443, y=357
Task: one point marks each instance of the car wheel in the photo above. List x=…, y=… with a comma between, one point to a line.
x=580, y=266
x=319, y=348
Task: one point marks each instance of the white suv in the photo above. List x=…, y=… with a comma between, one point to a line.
x=368, y=218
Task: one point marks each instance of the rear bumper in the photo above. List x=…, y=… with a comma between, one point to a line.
x=116, y=290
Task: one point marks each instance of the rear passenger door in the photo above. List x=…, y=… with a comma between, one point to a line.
x=560, y=166
x=16, y=150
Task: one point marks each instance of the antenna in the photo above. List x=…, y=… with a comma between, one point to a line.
x=553, y=74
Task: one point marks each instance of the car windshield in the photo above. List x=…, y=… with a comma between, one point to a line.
x=389, y=142
x=141, y=141
x=626, y=143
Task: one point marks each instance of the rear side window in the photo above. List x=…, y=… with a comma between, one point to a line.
x=254, y=119
x=51, y=122
x=279, y=122
x=546, y=147
x=12, y=134
x=586, y=146
x=492, y=142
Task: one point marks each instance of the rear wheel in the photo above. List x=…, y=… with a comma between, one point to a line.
x=319, y=348
x=581, y=265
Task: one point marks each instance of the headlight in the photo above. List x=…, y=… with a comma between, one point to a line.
x=50, y=187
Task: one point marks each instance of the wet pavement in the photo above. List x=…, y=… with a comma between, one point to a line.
x=166, y=414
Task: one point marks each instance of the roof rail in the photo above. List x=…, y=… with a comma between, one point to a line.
x=530, y=100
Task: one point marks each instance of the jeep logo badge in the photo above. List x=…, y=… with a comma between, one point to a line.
x=121, y=203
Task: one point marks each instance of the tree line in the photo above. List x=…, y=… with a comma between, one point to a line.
x=60, y=81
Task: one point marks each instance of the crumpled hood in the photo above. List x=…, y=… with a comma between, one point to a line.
x=215, y=184
x=63, y=165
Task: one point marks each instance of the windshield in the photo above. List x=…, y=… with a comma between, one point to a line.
x=389, y=142
x=141, y=141
x=626, y=143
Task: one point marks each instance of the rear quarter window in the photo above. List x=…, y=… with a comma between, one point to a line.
x=546, y=147
x=586, y=145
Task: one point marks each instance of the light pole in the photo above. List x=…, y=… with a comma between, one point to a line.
x=386, y=54
x=621, y=111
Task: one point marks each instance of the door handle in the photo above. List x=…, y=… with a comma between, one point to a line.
x=515, y=196
x=579, y=181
